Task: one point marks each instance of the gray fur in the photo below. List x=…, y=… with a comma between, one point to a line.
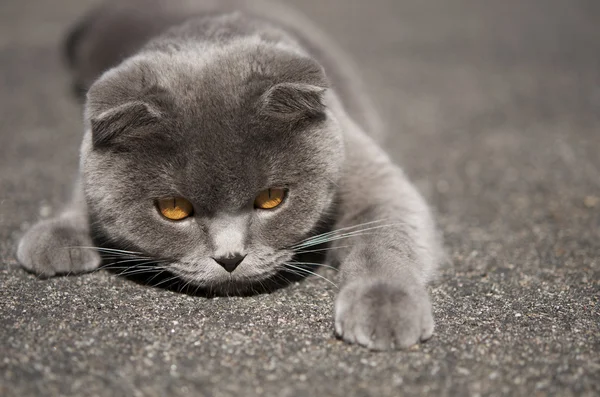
x=216, y=109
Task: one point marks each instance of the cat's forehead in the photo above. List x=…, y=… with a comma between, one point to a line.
x=215, y=74
x=214, y=102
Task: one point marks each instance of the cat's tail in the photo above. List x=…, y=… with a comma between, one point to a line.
x=71, y=45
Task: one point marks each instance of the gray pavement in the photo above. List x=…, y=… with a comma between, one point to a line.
x=495, y=108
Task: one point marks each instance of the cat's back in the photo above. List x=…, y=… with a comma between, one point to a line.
x=118, y=29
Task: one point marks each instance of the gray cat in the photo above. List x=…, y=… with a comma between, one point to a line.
x=217, y=143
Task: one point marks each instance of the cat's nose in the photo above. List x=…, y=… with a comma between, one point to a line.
x=230, y=262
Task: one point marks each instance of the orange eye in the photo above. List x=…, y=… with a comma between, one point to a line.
x=269, y=198
x=175, y=208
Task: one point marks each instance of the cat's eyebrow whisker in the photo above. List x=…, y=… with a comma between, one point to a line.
x=310, y=272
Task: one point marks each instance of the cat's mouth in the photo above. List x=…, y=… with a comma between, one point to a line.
x=252, y=277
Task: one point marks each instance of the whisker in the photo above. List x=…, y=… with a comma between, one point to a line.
x=279, y=276
x=315, y=264
x=134, y=260
x=129, y=272
x=340, y=230
x=111, y=266
x=111, y=257
x=107, y=250
x=149, y=264
x=312, y=273
x=361, y=232
x=118, y=251
x=322, y=249
x=156, y=275
x=133, y=267
x=175, y=277
x=262, y=285
x=334, y=238
x=190, y=280
x=145, y=265
x=303, y=273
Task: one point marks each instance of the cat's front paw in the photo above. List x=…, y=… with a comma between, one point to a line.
x=383, y=315
x=50, y=247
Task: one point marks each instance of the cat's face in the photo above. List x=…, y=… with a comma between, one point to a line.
x=211, y=147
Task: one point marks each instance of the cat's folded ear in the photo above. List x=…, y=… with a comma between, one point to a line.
x=120, y=102
x=299, y=84
x=109, y=125
x=293, y=101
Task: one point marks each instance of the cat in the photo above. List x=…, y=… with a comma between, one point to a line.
x=219, y=137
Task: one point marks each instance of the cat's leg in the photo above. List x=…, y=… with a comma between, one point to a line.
x=383, y=302
x=55, y=246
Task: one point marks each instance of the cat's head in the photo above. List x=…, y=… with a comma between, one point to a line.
x=202, y=163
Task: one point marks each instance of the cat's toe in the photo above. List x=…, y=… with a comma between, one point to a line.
x=382, y=315
x=55, y=246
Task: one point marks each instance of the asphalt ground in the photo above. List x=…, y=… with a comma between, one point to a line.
x=494, y=109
